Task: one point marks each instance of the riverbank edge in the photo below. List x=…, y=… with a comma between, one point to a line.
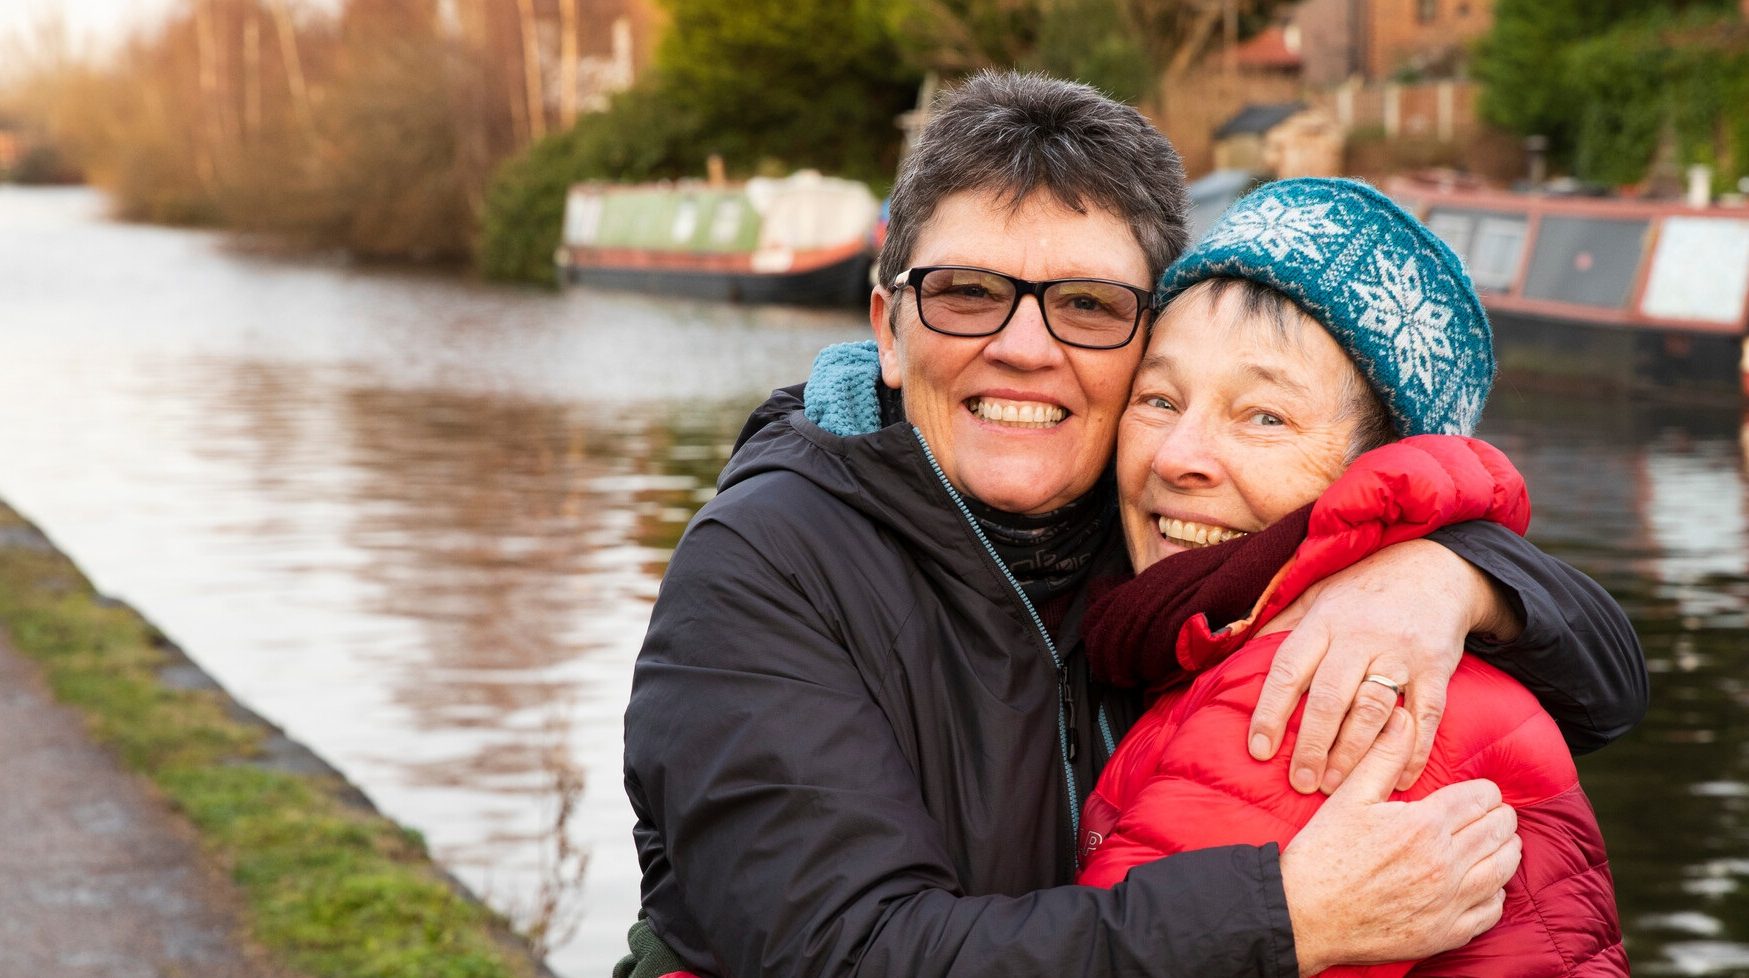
x=332, y=886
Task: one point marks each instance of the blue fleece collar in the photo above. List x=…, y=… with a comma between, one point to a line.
x=840, y=395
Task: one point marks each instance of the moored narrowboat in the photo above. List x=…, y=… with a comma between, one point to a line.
x=1629, y=293
x=805, y=239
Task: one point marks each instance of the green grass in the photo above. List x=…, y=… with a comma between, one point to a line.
x=332, y=890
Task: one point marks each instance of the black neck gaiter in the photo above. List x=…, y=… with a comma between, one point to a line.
x=1049, y=553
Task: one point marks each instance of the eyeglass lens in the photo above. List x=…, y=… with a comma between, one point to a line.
x=972, y=302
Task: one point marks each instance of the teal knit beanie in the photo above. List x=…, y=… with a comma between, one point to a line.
x=1387, y=289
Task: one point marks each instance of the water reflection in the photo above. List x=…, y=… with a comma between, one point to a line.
x=1652, y=501
x=420, y=523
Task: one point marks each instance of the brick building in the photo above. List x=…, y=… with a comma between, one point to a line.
x=1327, y=35
x=1390, y=69
x=1422, y=36
x=1378, y=40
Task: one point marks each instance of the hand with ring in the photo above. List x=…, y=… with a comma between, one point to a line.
x=1390, y=628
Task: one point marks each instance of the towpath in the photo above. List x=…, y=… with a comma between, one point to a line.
x=97, y=876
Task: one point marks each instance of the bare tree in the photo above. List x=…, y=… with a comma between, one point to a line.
x=531, y=70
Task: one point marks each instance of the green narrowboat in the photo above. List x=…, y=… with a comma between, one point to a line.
x=805, y=239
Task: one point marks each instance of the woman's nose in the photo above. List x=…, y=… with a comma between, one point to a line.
x=1025, y=342
x=1186, y=454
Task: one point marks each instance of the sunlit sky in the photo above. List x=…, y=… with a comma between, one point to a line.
x=90, y=21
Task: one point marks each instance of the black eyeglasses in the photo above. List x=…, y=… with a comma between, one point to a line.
x=1091, y=313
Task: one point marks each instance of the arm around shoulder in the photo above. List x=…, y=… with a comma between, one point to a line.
x=1578, y=651
x=788, y=836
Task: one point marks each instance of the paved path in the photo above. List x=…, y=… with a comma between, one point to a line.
x=98, y=878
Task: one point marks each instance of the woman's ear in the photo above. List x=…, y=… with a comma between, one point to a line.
x=882, y=318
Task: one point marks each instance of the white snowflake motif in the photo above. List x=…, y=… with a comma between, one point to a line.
x=1279, y=229
x=1466, y=413
x=1399, y=308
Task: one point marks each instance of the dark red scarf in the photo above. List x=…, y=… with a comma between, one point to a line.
x=1132, y=627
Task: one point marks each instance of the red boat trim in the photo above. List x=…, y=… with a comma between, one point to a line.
x=735, y=263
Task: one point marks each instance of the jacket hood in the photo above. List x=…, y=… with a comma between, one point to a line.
x=829, y=432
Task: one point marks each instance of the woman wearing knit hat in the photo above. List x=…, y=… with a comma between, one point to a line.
x=1305, y=400
x=861, y=727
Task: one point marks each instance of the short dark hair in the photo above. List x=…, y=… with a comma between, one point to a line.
x=1360, y=403
x=1012, y=134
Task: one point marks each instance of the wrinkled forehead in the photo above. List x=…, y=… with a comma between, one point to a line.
x=1222, y=324
x=1240, y=310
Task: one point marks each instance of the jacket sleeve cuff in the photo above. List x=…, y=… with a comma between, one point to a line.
x=1219, y=911
x=1285, y=956
x=1526, y=595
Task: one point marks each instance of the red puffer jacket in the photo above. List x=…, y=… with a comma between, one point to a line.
x=1182, y=780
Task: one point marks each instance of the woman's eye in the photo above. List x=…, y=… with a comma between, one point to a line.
x=1159, y=403
x=1267, y=419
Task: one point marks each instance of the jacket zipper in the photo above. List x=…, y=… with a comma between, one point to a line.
x=1066, y=736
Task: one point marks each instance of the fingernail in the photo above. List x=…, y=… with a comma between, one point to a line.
x=1260, y=747
x=1305, y=782
x=1332, y=780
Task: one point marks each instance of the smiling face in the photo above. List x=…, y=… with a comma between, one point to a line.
x=1233, y=423
x=1017, y=420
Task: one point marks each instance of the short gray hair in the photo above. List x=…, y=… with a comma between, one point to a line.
x=1361, y=404
x=1012, y=134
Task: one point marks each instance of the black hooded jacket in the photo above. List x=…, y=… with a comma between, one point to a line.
x=853, y=749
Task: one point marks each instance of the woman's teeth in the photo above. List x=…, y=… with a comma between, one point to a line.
x=1025, y=414
x=1196, y=534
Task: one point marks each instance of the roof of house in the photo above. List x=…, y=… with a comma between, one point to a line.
x=1267, y=49
x=1257, y=119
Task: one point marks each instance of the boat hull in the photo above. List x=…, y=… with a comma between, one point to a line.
x=1584, y=355
x=843, y=282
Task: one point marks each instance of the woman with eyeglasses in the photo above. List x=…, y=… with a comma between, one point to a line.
x=862, y=726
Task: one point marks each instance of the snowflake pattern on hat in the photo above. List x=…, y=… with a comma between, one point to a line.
x=1387, y=290
x=1398, y=308
x=1280, y=229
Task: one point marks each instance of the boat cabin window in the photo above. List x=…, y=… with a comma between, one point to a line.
x=685, y=220
x=1497, y=253
x=1455, y=228
x=726, y=223
x=1491, y=245
x=1591, y=261
x=1700, y=271
x=583, y=219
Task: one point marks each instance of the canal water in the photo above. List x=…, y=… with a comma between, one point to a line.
x=419, y=522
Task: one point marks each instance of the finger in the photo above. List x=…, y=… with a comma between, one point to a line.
x=1465, y=802
x=1366, y=717
x=1333, y=691
x=1490, y=874
x=1479, y=918
x=1427, y=705
x=1486, y=835
x=1289, y=675
x=1377, y=772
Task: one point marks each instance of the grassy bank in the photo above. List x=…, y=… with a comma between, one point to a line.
x=333, y=888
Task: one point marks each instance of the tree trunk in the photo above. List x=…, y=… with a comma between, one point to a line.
x=531, y=73
x=206, y=60
x=294, y=66
x=251, y=73
x=568, y=62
